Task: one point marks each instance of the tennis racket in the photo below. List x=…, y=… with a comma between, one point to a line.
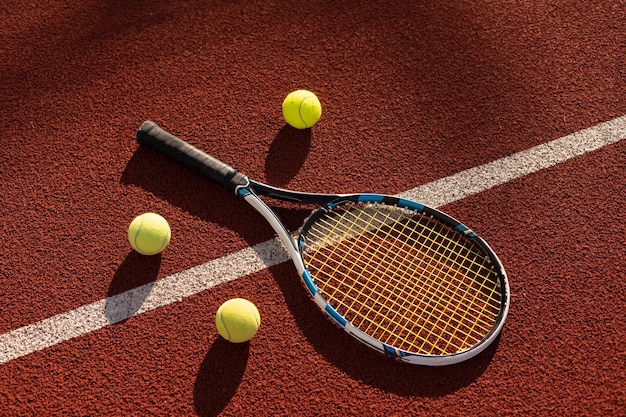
x=403, y=278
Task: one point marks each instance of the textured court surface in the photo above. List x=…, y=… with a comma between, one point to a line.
x=509, y=116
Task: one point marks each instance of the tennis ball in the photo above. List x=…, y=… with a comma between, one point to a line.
x=149, y=234
x=237, y=320
x=302, y=109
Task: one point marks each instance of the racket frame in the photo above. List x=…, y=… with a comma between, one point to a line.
x=403, y=355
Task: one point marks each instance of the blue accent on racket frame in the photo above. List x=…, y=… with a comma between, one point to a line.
x=371, y=198
x=410, y=205
x=389, y=351
x=400, y=202
x=336, y=316
x=308, y=281
x=461, y=228
x=242, y=192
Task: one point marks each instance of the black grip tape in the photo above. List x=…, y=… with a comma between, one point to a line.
x=151, y=135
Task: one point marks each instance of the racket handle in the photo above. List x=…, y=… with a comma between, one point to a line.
x=151, y=135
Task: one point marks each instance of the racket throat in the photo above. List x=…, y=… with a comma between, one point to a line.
x=285, y=237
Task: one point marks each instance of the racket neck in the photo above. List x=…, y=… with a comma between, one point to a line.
x=293, y=196
x=288, y=241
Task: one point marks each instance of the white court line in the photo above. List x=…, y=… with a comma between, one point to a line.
x=94, y=316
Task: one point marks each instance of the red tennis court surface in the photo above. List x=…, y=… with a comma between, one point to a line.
x=412, y=92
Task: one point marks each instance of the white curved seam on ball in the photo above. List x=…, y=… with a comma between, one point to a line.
x=225, y=328
x=137, y=235
x=300, y=112
x=165, y=242
x=253, y=312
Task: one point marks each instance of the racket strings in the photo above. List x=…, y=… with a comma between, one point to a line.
x=377, y=259
x=403, y=278
x=404, y=297
x=379, y=302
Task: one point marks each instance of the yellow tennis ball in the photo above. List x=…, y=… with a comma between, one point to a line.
x=149, y=234
x=237, y=320
x=302, y=109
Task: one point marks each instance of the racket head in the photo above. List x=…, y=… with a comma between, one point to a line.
x=404, y=278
